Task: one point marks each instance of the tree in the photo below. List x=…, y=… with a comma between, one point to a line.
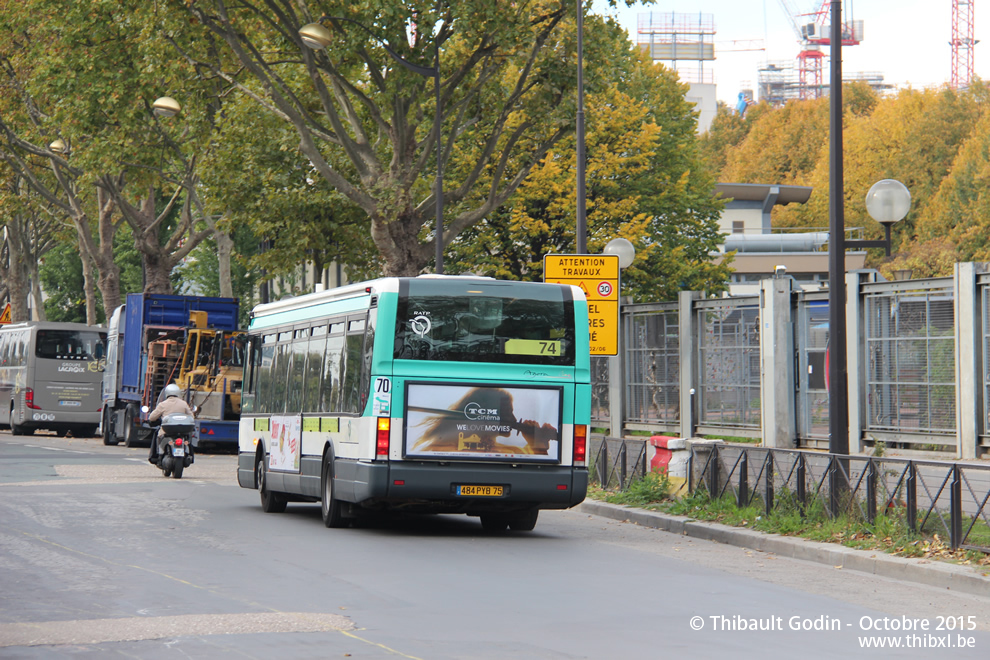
x=957, y=216
x=256, y=179
x=365, y=122
x=86, y=74
x=61, y=275
x=645, y=183
x=913, y=137
x=727, y=131
x=26, y=235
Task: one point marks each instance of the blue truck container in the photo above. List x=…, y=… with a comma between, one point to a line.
x=142, y=319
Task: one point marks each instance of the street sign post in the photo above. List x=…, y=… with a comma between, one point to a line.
x=598, y=276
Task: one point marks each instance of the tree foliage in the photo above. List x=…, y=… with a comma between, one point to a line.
x=645, y=182
x=932, y=140
x=364, y=121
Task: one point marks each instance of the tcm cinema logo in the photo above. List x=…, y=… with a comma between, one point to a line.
x=475, y=412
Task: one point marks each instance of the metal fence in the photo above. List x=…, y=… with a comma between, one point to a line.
x=600, y=403
x=729, y=368
x=903, y=342
x=911, y=364
x=811, y=342
x=614, y=463
x=652, y=364
x=949, y=499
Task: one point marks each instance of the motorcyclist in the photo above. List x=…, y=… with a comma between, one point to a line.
x=171, y=403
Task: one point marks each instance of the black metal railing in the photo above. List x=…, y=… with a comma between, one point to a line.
x=614, y=463
x=930, y=497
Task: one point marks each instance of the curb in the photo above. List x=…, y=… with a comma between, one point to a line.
x=964, y=579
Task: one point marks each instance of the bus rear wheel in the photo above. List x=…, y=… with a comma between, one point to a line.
x=332, y=510
x=271, y=502
x=18, y=429
x=525, y=521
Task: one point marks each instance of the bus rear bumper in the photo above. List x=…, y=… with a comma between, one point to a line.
x=435, y=486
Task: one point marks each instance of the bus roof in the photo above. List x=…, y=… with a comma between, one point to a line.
x=348, y=298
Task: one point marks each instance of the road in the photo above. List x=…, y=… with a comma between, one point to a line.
x=101, y=556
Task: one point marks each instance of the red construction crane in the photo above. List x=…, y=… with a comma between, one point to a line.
x=962, y=43
x=813, y=31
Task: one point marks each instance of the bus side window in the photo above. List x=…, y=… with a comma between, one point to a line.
x=332, y=368
x=297, y=372
x=265, y=365
x=280, y=374
x=351, y=379
x=314, y=369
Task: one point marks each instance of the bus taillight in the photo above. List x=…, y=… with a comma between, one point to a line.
x=29, y=399
x=384, y=424
x=580, y=443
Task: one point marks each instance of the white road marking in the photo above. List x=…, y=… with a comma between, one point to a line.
x=132, y=629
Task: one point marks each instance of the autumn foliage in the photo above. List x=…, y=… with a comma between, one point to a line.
x=935, y=141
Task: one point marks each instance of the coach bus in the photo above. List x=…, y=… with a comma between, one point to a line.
x=50, y=376
x=434, y=394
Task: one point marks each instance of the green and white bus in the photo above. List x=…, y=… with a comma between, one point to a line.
x=434, y=394
x=50, y=377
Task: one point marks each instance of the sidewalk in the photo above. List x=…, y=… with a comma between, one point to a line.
x=965, y=579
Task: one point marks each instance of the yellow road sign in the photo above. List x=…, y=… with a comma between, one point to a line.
x=598, y=277
x=5, y=315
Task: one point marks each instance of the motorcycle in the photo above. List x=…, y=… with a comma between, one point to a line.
x=177, y=451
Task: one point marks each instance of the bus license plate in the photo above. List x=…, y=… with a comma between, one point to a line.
x=74, y=404
x=480, y=491
x=178, y=451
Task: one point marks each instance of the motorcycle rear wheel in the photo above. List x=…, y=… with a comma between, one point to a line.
x=177, y=470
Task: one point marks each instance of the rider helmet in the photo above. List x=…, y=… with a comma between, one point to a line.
x=171, y=390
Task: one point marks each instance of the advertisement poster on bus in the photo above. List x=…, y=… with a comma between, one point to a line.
x=286, y=443
x=482, y=422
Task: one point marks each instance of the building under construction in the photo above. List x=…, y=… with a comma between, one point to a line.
x=780, y=82
x=685, y=43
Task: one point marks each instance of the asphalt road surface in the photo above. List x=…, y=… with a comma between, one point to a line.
x=103, y=557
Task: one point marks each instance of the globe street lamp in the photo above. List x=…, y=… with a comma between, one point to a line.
x=888, y=202
x=166, y=106
x=317, y=37
x=622, y=248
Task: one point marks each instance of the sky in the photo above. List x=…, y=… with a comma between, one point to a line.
x=905, y=40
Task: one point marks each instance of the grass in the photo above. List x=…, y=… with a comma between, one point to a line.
x=887, y=533
x=734, y=438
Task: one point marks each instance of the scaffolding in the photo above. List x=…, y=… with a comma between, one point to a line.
x=780, y=82
x=675, y=38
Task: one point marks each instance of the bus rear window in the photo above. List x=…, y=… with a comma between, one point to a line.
x=70, y=345
x=485, y=321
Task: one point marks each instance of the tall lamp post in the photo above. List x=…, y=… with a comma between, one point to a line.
x=317, y=37
x=581, y=223
x=838, y=417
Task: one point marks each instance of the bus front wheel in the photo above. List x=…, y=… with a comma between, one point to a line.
x=271, y=502
x=332, y=510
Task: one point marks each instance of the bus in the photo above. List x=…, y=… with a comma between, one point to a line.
x=50, y=376
x=432, y=394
